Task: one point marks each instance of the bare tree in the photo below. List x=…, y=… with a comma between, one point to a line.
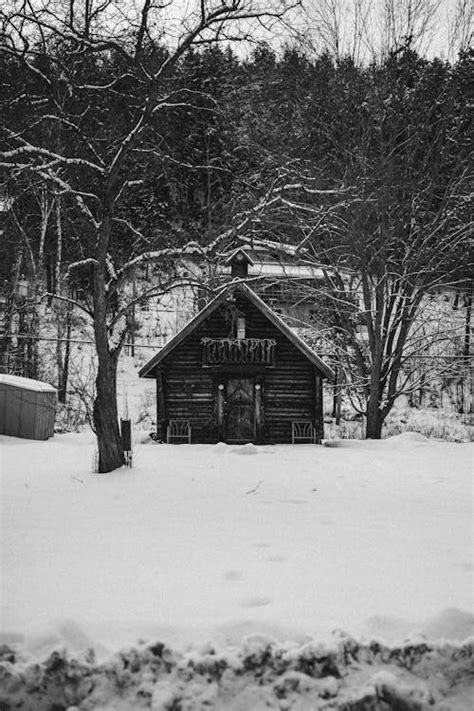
x=374, y=290
x=460, y=28
x=409, y=23
x=386, y=224
x=93, y=169
x=343, y=27
x=366, y=30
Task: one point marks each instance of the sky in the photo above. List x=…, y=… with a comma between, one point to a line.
x=357, y=27
x=362, y=28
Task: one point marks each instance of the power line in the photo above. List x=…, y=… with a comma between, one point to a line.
x=74, y=340
x=158, y=347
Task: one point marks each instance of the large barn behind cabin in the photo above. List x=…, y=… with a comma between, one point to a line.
x=236, y=373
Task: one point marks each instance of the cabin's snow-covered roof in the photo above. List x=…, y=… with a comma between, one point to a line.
x=26, y=383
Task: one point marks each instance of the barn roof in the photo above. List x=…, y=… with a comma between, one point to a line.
x=146, y=371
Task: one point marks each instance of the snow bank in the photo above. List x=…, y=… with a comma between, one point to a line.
x=406, y=438
x=245, y=449
x=344, y=675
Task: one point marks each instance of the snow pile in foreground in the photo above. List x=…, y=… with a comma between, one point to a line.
x=260, y=674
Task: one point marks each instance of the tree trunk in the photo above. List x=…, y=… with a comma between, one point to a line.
x=63, y=356
x=106, y=415
x=375, y=420
x=374, y=414
x=62, y=360
x=467, y=329
x=337, y=397
x=421, y=391
x=59, y=353
x=105, y=412
x=467, y=351
x=67, y=353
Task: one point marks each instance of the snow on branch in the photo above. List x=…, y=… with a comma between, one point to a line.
x=129, y=226
x=81, y=264
x=182, y=163
x=105, y=87
x=110, y=267
x=76, y=195
x=180, y=105
x=28, y=149
x=64, y=122
x=312, y=191
x=191, y=248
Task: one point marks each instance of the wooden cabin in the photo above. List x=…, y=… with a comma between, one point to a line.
x=236, y=373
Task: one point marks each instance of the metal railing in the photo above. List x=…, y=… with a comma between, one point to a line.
x=252, y=351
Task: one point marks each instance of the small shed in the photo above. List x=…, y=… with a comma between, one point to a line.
x=27, y=407
x=237, y=373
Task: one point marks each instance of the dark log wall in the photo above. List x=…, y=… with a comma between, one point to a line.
x=190, y=390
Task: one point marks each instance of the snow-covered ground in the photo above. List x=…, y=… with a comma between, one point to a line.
x=217, y=542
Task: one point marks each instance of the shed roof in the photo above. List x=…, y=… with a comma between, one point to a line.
x=26, y=383
x=146, y=371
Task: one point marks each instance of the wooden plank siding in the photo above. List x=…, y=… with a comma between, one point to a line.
x=190, y=390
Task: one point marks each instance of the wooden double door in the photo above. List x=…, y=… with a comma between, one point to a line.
x=240, y=409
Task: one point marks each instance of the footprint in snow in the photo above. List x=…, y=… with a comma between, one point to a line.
x=255, y=601
x=293, y=501
x=232, y=575
x=276, y=558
